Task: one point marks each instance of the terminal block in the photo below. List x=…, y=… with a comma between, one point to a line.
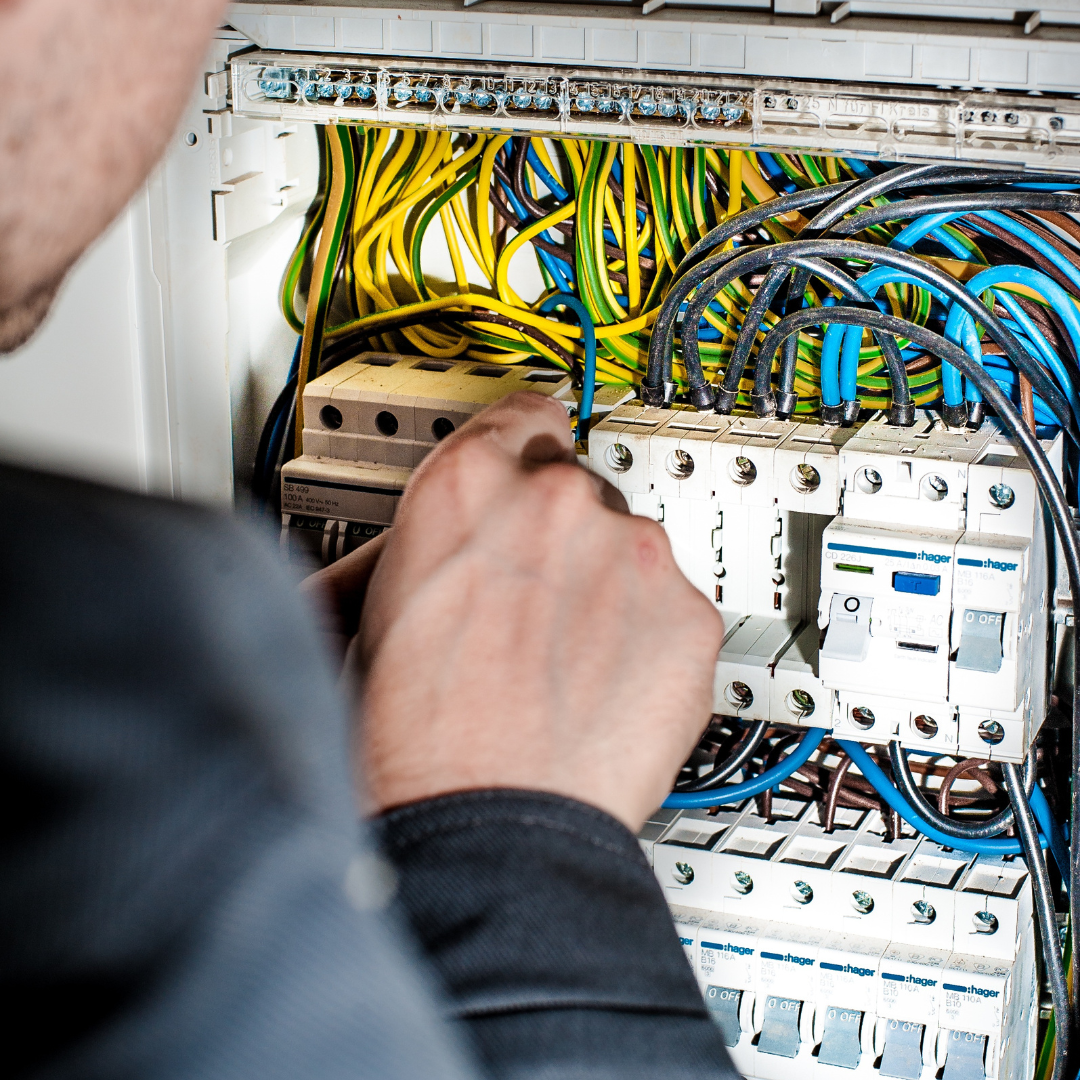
x=370, y=421
x=845, y=954
x=744, y=502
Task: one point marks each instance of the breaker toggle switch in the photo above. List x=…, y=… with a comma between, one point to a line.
x=840, y=1043
x=964, y=1059
x=780, y=1027
x=848, y=636
x=723, y=1005
x=902, y=1056
x=980, y=641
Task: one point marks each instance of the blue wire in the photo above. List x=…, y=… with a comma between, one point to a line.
x=772, y=166
x=881, y=784
x=1044, y=187
x=1050, y=290
x=839, y=371
x=588, y=388
x=688, y=800
x=1026, y=328
x=856, y=166
x=1044, y=247
x=920, y=226
x=1059, y=846
x=545, y=176
x=277, y=434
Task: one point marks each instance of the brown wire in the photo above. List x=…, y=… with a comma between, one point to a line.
x=1050, y=237
x=945, y=798
x=617, y=190
x=450, y=317
x=504, y=211
x=1027, y=402
x=1016, y=244
x=517, y=183
x=1062, y=221
x=922, y=363
x=771, y=759
x=835, y=783
x=523, y=328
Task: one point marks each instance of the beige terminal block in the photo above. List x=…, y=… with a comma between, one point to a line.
x=370, y=421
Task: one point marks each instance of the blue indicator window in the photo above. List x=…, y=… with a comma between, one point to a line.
x=920, y=584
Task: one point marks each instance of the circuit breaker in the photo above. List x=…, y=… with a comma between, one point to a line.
x=844, y=954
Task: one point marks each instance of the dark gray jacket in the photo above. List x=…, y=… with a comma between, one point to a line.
x=185, y=890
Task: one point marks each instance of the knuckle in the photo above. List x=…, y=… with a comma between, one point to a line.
x=528, y=401
x=568, y=489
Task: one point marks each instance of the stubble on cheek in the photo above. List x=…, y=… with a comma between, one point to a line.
x=20, y=320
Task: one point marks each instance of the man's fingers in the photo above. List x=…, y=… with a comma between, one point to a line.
x=523, y=426
x=339, y=590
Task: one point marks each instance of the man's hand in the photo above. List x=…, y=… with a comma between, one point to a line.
x=338, y=591
x=520, y=632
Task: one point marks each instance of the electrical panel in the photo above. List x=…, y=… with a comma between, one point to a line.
x=887, y=583
x=891, y=580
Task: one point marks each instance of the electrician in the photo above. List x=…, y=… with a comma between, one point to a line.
x=185, y=887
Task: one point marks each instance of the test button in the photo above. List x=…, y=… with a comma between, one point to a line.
x=919, y=584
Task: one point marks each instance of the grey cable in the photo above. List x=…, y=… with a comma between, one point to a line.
x=982, y=830
x=1046, y=918
x=754, y=737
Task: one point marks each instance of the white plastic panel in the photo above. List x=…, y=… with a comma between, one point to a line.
x=919, y=44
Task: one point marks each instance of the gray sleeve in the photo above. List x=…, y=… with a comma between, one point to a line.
x=184, y=888
x=552, y=938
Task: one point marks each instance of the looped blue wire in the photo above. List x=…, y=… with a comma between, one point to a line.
x=1051, y=291
x=839, y=369
x=589, y=334
x=688, y=800
x=929, y=224
x=996, y=847
x=1050, y=834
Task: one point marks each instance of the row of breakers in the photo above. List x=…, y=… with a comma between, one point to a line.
x=838, y=954
x=886, y=583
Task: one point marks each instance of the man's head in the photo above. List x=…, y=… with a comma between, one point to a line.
x=92, y=91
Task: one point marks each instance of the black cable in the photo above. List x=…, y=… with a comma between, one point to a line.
x=765, y=403
x=1049, y=488
x=869, y=189
x=751, y=324
x=1046, y=918
x=262, y=475
x=743, y=752
x=797, y=254
x=981, y=830
x=758, y=215
x=962, y=203
x=1042, y=384
x=902, y=411
x=657, y=387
